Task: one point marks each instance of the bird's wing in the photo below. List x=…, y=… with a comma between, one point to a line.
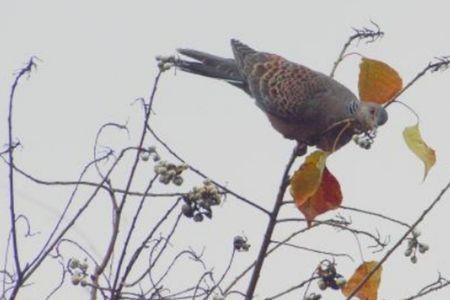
x=282, y=88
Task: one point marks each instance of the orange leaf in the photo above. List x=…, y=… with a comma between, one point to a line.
x=327, y=197
x=307, y=178
x=369, y=290
x=378, y=82
x=415, y=142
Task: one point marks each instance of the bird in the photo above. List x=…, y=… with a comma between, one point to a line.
x=302, y=104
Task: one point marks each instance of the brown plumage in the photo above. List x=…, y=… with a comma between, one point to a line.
x=301, y=104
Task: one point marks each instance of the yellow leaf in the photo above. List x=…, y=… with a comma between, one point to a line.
x=415, y=142
x=307, y=178
x=369, y=291
x=378, y=82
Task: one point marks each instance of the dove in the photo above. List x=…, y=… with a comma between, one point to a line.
x=302, y=104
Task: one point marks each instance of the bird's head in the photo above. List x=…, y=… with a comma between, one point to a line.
x=369, y=116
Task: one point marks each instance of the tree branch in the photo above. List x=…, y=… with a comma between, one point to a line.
x=399, y=242
x=12, y=213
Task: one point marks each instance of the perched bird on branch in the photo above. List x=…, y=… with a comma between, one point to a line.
x=302, y=104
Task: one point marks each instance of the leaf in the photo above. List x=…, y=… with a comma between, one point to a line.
x=314, y=188
x=378, y=82
x=307, y=178
x=415, y=142
x=327, y=197
x=369, y=291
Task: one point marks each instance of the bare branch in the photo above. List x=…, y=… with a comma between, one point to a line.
x=442, y=63
x=375, y=214
x=271, y=226
x=197, y=171
x=371, y=35
x=399, y=242
x=295, y=287
x=12, y=211
x=314, y=250
x=440, y=283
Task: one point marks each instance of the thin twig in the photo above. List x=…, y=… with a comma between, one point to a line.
x=250, y=267
x=12, y=211
x=295, y=287
x=227, y=269
x=137, y=157
x=61, y=282
x=359, y=34
x=138, y=251
x=105, y=187
x=442, y=63
x=342, y=226
x=440, y=283
x=63, y=214
x=399, y=242
x=130, y=232
x=197, y=171
x=315, y=250
x=33, y=267
x=166, y=242
x=375, y=214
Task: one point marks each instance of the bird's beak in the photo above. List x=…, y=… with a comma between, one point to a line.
x=382, y=116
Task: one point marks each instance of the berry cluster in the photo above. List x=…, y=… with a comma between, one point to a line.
x=199, y=201
x=78, y=270
x=240, y=243
x=365, y=140
x=414, y=245
x=150, y=152
x=329, y=277
x=169, y=172
x=165, y=62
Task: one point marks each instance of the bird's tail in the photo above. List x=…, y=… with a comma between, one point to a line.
x=211, y=66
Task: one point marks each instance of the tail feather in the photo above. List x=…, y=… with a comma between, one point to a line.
x=209, y=65
x=204, y=57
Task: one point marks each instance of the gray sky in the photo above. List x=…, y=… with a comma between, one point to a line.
x=98, y=56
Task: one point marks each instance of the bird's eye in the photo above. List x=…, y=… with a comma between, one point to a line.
x=372, y=111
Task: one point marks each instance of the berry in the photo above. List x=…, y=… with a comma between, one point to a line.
x=316, y=297
x=198, y=217
x=84, y=267
x=238, y=242
x=76, y=279
x=74, y=263
x=322, y=284
x=145, y=156
x=408, y=252
x=187, y=211
x=340, y=281
x=423, y=248
x=164, y=179
x=177, y=180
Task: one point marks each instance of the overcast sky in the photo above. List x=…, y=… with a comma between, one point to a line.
x=98, y=57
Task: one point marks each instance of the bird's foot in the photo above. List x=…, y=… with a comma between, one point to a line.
x=300, y=149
